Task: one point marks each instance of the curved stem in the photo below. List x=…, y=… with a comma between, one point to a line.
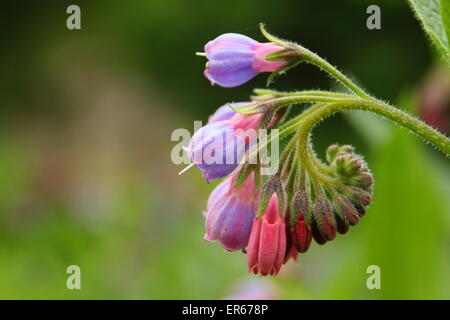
x=415, y=125
x=310, y=57
x=318, y=163
x=305, y=55
x=288, y=147
x=310, y=117
x=297, y=119
x=308, y=161
x=260, y=106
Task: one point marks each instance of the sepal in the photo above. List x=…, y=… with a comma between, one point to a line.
x=273, y=185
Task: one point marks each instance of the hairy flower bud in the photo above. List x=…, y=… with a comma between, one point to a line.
x=347, y=164
x=235, y=59
x=359, y=195
x=301, y=235
x=267, y=244
x=345, y=209
x=346, y=148
x=300, y=232
x=360, y=208
x=342, y=225
x=324, y=218
x=332, y=152
x=317, y=235
x=363, y=180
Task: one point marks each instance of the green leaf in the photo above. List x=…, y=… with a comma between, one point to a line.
x=445, y=13
x=434, y=20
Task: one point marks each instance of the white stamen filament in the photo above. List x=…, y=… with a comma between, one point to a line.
x=185, y=169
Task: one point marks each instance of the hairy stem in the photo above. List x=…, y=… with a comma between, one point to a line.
x=310, y=57
x=317, y=93
x=416, y=126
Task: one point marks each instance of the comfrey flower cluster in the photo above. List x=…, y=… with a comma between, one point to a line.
x=274, y=218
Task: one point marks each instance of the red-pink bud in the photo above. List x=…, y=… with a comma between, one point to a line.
x=267, y=244
x=324, y=217
x=363, y=180
x=360, y=196
x=361, y=209
x=291, y=253
x=317, y=235
x=346, y=209
x=342, y=225
x=302, y=234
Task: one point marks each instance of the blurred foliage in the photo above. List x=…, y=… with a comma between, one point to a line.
x=85, y=170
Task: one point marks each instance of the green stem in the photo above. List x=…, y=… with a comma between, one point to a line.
x=305, y=55
x=310, y=57
x=318, y=163
x=427, y=133
x=308, y=161
x=256, y=107
x=317, y=93
x=310, y=117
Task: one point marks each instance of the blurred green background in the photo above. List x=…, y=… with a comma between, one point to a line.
x=86, y=176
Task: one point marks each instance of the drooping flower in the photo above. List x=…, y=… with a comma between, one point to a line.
x=267, y=244
x=275, y=232
x=230, y=213
x=218, y=147
x=235, y=59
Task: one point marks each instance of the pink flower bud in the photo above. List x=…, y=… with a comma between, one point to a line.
x=234, y=59
x=218, y=147
x=324, y=218
x=267, y=244
x=300, y=232
x=301, y=235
